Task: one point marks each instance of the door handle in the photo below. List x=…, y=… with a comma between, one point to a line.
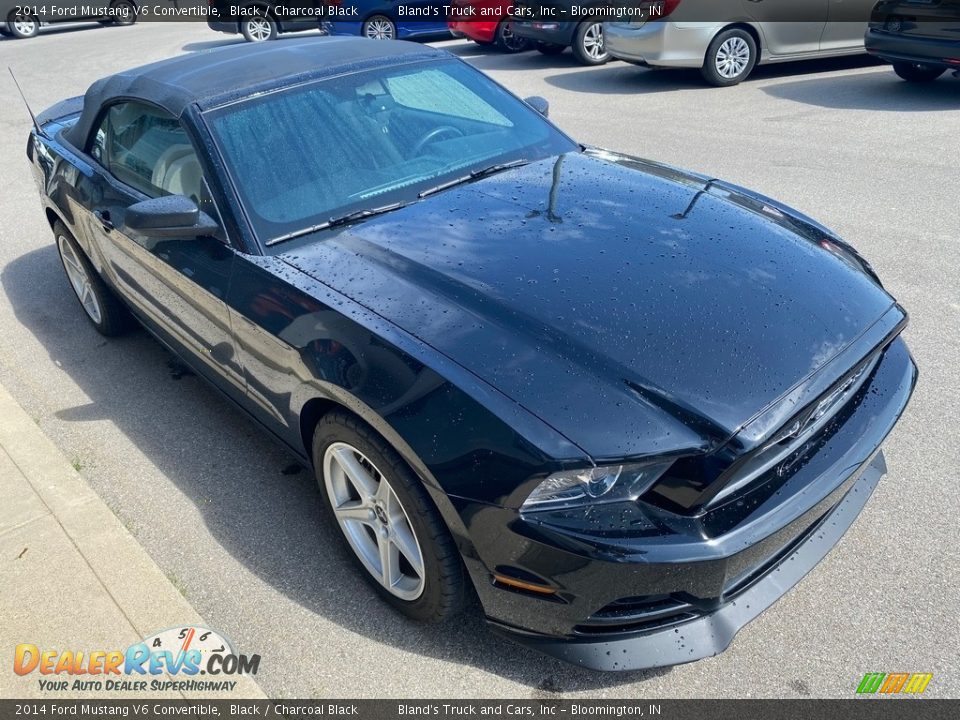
x=103, y=217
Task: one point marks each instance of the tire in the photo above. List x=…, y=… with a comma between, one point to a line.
x=402, y=511
x=917, y=73
x=103, y=309
x=507, y=41
x=22, y=26
x=129, y=10
x=259, y=28
x=379, y=27
x=3, y=30
x=550, y=48
x=730, y=58
x=588, y=46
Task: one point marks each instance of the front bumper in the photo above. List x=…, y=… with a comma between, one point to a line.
x=660, y=43
x=712, y=633
x=896, y=47
x=627, y=604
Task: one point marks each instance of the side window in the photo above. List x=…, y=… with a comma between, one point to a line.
x=147, y=149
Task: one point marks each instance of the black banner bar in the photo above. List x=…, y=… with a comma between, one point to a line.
x=440, y=11
x=863, y=708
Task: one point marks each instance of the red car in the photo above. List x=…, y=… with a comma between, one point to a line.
x=490, y=23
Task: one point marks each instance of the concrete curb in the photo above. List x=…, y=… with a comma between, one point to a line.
x=71, y=575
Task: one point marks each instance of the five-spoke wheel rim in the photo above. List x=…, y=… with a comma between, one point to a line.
x=25, y=26
x=593, y=42
x=733, y=56
x=379, y=29
x=79, y=279
x=259, y=29
x=374, y=521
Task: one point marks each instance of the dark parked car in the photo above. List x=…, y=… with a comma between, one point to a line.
x=22, y=19
x=390, y=19
x=626, y=405
x=551, y=35
x=260, y=20
x=920, y=37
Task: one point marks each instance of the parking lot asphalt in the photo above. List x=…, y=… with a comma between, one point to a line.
x=235, y=524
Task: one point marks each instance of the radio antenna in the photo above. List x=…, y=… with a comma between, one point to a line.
x=23, y=97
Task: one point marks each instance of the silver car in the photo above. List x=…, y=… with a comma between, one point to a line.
x=726, y=39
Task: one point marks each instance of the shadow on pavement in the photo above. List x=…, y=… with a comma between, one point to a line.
x=228, y=39
x=60, y=29
x=256, y=502
x=487, y=57
x=622, y=77
x=882, y=91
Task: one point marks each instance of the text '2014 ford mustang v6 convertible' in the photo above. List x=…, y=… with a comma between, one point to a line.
x=625, y=405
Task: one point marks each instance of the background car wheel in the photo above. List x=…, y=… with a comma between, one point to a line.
x=22, y=26
x=588, y=46
x=508, y=41
x=915, y=72
x=102, y=308
x=124, y=13
x=379, y=27
x=387, y=519
x=259, y=29
x=550, y=48
x=730, y=58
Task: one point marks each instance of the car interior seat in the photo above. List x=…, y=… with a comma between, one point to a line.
x=178, y=172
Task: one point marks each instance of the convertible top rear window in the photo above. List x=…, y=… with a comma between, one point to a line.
x=304, y=155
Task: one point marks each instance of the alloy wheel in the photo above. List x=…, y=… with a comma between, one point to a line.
x=509, y=39
x=379, y=28
x=374, y=521
x=24, y=26
x=126, y=13
x=593, y=41
x=259, y=29
x=79, y=279
x=733, y=57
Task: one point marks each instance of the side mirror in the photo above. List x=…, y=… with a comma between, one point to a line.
x=170, y=216
x=540, y=104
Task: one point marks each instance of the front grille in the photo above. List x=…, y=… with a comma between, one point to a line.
x=699, y=485
x=786, y=447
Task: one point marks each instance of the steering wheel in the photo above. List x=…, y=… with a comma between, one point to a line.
x=433, y=135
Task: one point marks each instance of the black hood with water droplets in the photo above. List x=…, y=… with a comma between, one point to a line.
x=633, y=307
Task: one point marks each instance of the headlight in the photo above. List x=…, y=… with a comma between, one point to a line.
x=573, y=488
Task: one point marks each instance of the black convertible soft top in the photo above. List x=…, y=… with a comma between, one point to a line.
x=212, y=77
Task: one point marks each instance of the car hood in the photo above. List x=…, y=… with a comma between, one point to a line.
x=635, y=308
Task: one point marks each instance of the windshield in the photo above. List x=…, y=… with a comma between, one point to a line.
x=305, y=155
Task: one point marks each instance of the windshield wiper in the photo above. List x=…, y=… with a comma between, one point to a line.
x=339, y=220
x=475, y=175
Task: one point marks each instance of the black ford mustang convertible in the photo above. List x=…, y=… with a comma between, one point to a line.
x=625, y=405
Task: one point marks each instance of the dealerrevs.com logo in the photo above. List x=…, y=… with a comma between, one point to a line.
x=192, y=658
x=894, y=683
